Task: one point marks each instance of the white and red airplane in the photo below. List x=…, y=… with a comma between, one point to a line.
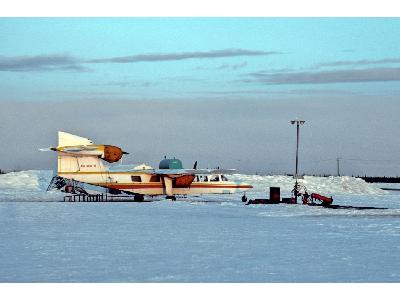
x=82, y=160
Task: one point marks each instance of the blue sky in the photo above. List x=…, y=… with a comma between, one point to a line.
x=60, y=51
x=221, y=85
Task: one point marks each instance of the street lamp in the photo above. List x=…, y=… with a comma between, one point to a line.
x=298, y=123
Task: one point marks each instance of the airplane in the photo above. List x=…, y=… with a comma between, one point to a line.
x=81, y=160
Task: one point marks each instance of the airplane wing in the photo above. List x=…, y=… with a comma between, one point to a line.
x=183, y=178
x=181, y=172
x=210, y=171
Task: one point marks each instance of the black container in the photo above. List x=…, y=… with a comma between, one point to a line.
x=275, y=194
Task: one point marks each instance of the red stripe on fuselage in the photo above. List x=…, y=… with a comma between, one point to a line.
x=151, y=186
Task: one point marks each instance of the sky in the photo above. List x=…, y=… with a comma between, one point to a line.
x=218, y=90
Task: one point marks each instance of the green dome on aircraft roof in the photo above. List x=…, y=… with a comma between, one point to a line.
x=171, y=163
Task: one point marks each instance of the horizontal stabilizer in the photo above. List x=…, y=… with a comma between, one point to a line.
x=81, y=148
x=47, y=149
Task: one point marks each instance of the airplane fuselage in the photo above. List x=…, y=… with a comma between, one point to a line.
x=150, y=184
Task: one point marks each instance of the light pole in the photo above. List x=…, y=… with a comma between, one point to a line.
x=298, y=123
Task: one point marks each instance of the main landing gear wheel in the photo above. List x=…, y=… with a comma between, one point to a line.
x=138, y=198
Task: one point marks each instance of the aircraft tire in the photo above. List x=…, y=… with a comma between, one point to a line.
x=138, y=198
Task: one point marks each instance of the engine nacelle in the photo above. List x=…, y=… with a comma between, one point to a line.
x=108, y=153
x=112, y=154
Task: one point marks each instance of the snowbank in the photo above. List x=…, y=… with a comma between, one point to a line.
x=26, y=180
x=332, y=185
x=28, y=185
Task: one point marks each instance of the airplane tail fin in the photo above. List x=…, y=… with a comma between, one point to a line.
x=78, y=154
x=66, y=139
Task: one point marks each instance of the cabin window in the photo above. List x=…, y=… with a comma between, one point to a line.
x=223, y=178
x=155, y=178
x=136, y=178
x=214, y=178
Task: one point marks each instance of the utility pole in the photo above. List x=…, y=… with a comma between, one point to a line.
x=298, y=123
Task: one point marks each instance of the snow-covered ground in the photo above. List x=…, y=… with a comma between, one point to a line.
x=199, y=239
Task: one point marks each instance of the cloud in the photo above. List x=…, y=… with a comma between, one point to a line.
x=232, y=66
x=324, y=77
x=129, y=83
x=361, y=62
x=222, y=67
x=56, y=62
x=183, y=78
x=47, y=62
x=182, y=55
x=296, y=92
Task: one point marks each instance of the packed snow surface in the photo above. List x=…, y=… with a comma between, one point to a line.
x=199, y=239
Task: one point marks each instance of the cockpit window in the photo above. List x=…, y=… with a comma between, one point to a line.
x=223, y=178
x=214, y=178
x=155, y=178
x=205, y=178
